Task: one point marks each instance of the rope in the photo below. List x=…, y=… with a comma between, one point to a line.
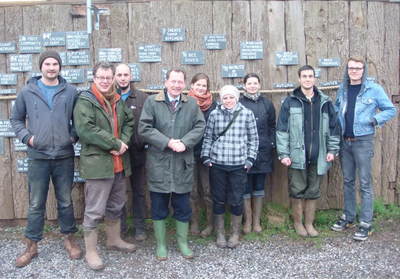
x=13, y=97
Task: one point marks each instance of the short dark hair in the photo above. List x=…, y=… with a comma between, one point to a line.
x=178, y=71
x=199, y=76
x=103, y=65
x=251, y=75
x=305, y=68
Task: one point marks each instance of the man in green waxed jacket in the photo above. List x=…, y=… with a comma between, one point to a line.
x=104, y=125
x=172, y=124
x=307, y=140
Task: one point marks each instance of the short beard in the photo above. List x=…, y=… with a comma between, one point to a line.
x=124, y=87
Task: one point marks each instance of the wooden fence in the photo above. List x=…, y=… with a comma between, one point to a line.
x=314, y=29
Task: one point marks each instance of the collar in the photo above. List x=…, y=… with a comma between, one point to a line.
x=160, y=97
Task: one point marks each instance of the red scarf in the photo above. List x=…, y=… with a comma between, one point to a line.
x=204, y=101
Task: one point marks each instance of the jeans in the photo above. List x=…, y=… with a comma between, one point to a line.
x=357, y=156
x=61, y=172
x=257, y=180
x=179, y=202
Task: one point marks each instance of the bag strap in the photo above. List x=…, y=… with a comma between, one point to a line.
x=230, y=124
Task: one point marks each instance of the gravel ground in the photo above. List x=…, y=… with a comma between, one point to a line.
x=279, y=256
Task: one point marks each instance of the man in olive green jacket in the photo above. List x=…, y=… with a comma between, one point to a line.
x=104, y=125
x=172, y=124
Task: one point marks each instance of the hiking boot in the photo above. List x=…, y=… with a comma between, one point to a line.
x=210, y=222
x=236, y=223
x=114, y=241
x=220, y=229
x=140, y=234
x=72, y=247
x=364, y=230
x=194, y=219
x=29, y=253
x=247, y=216
x=343, y=224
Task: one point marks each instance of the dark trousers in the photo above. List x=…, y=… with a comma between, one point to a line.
x=179, y=202
x=138, y=183
x=228, y=184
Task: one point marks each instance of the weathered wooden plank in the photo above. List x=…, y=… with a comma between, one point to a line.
x=119, y=27
x=358, y=28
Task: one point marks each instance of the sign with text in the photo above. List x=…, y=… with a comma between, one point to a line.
x=317, y=72
x=286, y=58
x=250, y=50
x=63, y=56
x=149, y=53
x=192, y=57
x=135, y=71
x=77, y=58
x=110, y=54
x=330, y=83
x=35, y=74
x=22, y=165
x=6, y=130
x=89, y=74
x=155, y=87
x=77, y=40
x=21, y=62
x=8, y=91
x=77, y=178
x=30, y=44
x=164, y=74
x=73, y=75
x=284, y=85
x=19, y=145
x=82, y=88
x=239, y=86
x=372, y=79
x=232, y=70
x=53, y=39
x=8, y=79
x=173, y=34
x=77, y=149
x=214, y=41
x=329, y=62
x=7, y=47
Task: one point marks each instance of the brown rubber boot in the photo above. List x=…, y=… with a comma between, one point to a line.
x=210, y=222
x=297, y=208
x=194, y=219
x=114, y=241
x=309, y=214
x=220, y=229
x=92, y=257
x=247, y=215
x=29, y=253
x=72, y=247
x=258, y=203
x=236, y=223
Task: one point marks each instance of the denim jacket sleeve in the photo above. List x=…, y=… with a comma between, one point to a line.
x=388, y=110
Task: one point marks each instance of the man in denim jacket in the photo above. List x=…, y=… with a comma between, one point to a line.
x=356, y=105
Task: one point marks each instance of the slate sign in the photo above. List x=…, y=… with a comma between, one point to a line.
x=214, y=41
x=149, y=53
x=8, y=91
x=73, y=75
x=35, y=74
x=155, y=87
x=82, y=88
x=232, y=70
x=192, y=57
x=30, y=44
x=89, y=74
x=250, y=50
x=22, y=165
x=239, y=86
x=286, y=58
x=164, y=74
x=6, y=129
x=317, y=72
x=110, y=54
x=135, y=71
x=78, y=58
x=77, y=178
x=1, y=146
x=63, y=56
x=19, y=145
x=21, y=62
x=173, y=34
x=329, y=62
x=330, y=83
x=77, y=40
x=8, y=79
x=77, y=149
x=7, y=47
x=372, y=79
x=54, y=39
x=284, y=85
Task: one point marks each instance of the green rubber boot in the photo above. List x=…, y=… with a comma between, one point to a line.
x=160, y=226
x=182, y=230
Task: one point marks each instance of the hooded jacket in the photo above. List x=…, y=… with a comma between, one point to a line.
x=52, y=128
x=371, y=97
x=290, y=136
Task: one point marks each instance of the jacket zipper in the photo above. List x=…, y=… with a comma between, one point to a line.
x=312, y=128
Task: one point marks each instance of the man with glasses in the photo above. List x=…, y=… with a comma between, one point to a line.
x=105, y=126
x=356, y=104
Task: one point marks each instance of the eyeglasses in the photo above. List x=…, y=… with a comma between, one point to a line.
x=355, y=69
x=108, y=79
